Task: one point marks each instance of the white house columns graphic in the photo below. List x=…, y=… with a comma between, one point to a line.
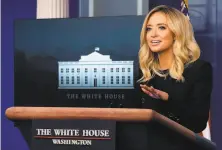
x=52, y=9
x=95, y=71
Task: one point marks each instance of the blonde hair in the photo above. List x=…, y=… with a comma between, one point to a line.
x=185, y=48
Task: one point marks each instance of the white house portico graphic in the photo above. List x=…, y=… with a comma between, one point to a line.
x=95, y=71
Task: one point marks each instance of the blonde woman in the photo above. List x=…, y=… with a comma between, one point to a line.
x=174, y=80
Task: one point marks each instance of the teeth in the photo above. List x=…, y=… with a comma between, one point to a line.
x=155, y=41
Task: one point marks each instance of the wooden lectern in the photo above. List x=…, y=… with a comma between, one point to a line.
x=116, y=114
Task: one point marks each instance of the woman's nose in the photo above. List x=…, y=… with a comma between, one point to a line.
x=153, y=33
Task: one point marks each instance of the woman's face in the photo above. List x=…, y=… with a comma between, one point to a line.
x=159, y=37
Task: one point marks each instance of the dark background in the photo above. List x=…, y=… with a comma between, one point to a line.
x=40, y=44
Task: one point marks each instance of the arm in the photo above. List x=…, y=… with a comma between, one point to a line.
x=194, y=113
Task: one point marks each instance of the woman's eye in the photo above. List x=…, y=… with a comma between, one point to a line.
x=162, y=28
x=148, y=28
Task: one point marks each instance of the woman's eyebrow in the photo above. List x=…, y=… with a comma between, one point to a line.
x=149, y=25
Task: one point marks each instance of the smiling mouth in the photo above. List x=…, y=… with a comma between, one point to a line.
x=155, y=42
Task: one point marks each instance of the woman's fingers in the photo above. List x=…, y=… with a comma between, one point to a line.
x=147, y=92
x=155, y=93
x=150, y=89
x=150, y=93
x=145, y=87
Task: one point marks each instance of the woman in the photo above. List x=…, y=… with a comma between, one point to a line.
x=172, y=72
x=174, y=81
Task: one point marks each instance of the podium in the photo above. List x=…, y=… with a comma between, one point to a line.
x=115, y=115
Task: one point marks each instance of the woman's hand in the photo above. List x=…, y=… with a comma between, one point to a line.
x=154, y=93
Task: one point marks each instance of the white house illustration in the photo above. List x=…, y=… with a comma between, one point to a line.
x=95, y=71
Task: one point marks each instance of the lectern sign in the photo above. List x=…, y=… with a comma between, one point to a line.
x=73, y=135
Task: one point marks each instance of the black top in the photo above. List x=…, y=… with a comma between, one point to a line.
x=188, y=104
x=189, y=101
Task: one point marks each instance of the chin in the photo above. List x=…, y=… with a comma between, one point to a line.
x=155, y=50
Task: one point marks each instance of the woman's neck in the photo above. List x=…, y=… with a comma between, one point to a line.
x=165, y=60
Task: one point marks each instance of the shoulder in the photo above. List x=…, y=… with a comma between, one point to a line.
x=199, y=68
x=199, y=65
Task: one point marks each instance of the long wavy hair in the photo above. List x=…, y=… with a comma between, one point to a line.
x=185, y=48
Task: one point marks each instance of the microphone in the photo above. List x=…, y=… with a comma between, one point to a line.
x=110, y=104
x=120, y=105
